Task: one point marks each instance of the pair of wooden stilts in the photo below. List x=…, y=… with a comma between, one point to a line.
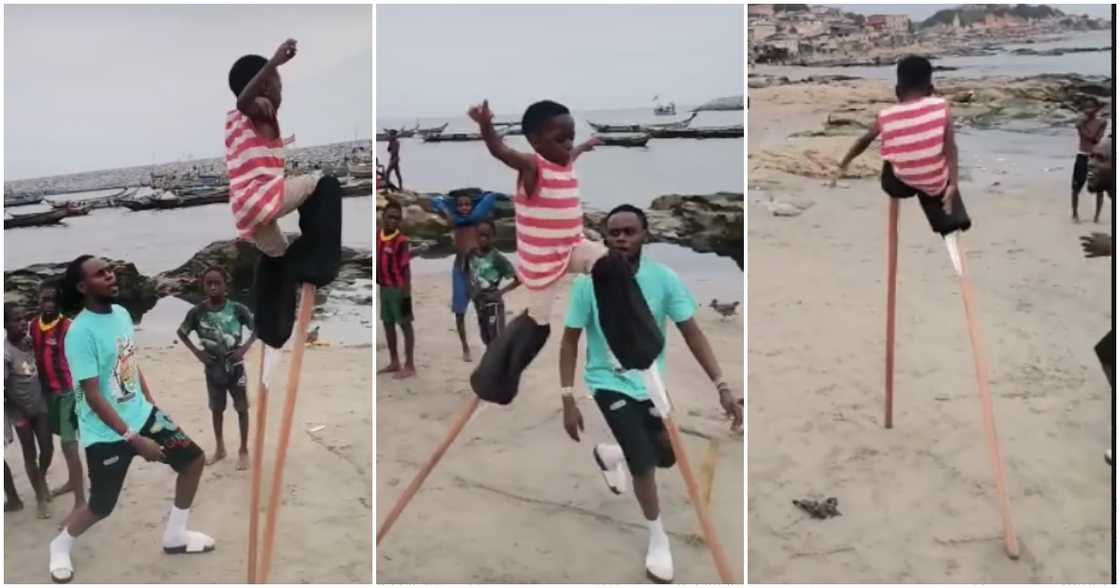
x=987, y=410
x=259, y=570
x=658, y=392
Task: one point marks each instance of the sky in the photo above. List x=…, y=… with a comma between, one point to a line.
x=924, y=11
x=97, y=87
x=438, y=60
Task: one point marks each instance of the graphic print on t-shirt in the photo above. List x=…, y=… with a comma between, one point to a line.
x=126, y=373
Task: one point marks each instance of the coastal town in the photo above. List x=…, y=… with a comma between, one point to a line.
x=799, y=34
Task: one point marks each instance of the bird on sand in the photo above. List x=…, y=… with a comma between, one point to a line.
x=726, y=310
x=313, y=336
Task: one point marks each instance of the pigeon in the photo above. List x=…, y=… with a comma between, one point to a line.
x=725, y=310
x=823, y=509
x=313, y=336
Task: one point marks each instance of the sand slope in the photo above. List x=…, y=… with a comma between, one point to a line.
x=515, y=500
x=323, y=533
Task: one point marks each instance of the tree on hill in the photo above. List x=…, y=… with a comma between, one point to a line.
x=973, y=13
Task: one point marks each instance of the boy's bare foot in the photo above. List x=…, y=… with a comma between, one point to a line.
x=467, y=355
x=1076, y=220
x=43, y=508
x=219, y=455
x=13, y=505
x=242, y=461
x=63, y=489
x=407, y=372
x=393, y=367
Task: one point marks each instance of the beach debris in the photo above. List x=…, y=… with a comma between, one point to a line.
x=316, y=428
x=726, y=309
x=819, y=509
x=313, y=336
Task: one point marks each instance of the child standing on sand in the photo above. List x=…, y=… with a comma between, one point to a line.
x=550, y=244
x=1090, y=130
x=220, y=324
x=25, y=403
x=465, y=217
x=394, y=290
x=488, y=267
x=919, y=148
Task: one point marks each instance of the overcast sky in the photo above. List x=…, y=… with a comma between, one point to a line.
x=437, y=60
x=924, y=11
x=95, y=87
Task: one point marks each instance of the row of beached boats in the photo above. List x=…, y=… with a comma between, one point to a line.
x=618, y=135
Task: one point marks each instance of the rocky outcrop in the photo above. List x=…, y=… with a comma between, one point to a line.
x=138, y=293
x=705, y=223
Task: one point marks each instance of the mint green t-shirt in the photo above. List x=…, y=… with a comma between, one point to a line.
x=103, y=346
x=667, y=297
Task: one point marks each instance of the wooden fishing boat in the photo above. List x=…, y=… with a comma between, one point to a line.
x=732, y=132
x=451, y=137
x=637, y=128
x=358, y=188
x=360, y=169
x=11, y=200
x=34, y=219
x=176, y=201
x=625, y=140
x=668, y=110
x=431, y=130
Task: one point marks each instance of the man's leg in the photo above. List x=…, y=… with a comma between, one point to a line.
x=108, y=465
x=74, y=482
x=461, y=328
x=409, y=344
x=46, y=446
x=188, y=461
x=216, y=390
x=26, y=435
x=12, y=501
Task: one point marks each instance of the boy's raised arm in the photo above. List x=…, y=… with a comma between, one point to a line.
x=247, y=101
x=515, y=159
x=586, y=146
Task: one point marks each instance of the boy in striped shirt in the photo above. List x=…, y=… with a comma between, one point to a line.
x=550, y=245
x=919, y=148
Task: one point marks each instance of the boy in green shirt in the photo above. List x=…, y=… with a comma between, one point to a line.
x=487, y=268
x=220, y=324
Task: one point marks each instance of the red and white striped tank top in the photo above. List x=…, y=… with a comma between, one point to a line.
x=256, y=174
x=913, y=136
x=549, y=224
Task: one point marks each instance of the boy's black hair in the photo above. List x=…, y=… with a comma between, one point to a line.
x=214, y=268
x=490, y=222
x=627, y=208
x=538, y=114
x=392, y=204
x=915, y=73
x=49, y=285
x=243, y=71
x=69, y=298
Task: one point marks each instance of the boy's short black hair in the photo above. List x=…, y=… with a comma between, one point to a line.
x=539, y=113
x=48, y=285
x=627, y=208
x=915, y=73
x=216, y=269
x=392, y=205
x=69, y=298
x=489, y=223
x=243, y=71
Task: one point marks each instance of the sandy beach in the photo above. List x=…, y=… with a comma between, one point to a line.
x=918, y=502
x=514, y=499
x=323, y=531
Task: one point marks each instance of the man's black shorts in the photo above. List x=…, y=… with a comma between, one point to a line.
x=222, y=379
x=1080, y=172
x=108, y=462
x=940, y=222
x=639, y=431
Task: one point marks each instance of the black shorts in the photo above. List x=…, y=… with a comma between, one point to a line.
x=931, y=205
x=220, y=381
x=108, y=462
x=1106, y=350
x=639, y=431
x=1080, y=172
x=491, y=312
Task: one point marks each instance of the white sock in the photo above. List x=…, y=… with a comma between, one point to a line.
x=657, y=536
x=611, y=454
x=176, y=526
x=63, y=543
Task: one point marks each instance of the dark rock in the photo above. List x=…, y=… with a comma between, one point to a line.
x=138, y=293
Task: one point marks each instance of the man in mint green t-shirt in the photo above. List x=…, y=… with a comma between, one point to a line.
x=643, y=443
x=117, y=418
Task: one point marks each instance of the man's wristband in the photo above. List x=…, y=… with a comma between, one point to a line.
x=567, y=392
x=129, y=435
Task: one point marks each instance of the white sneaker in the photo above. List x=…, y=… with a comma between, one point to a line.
x=1108, y=457
x=659, y=559
x=611, y=463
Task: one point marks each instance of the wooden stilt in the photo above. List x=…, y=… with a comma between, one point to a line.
x=258, y=466
x=306, y=304
x=892, y=278
x=987, y=408
x=708, y=530
x=707, y=477
x=456, y=427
